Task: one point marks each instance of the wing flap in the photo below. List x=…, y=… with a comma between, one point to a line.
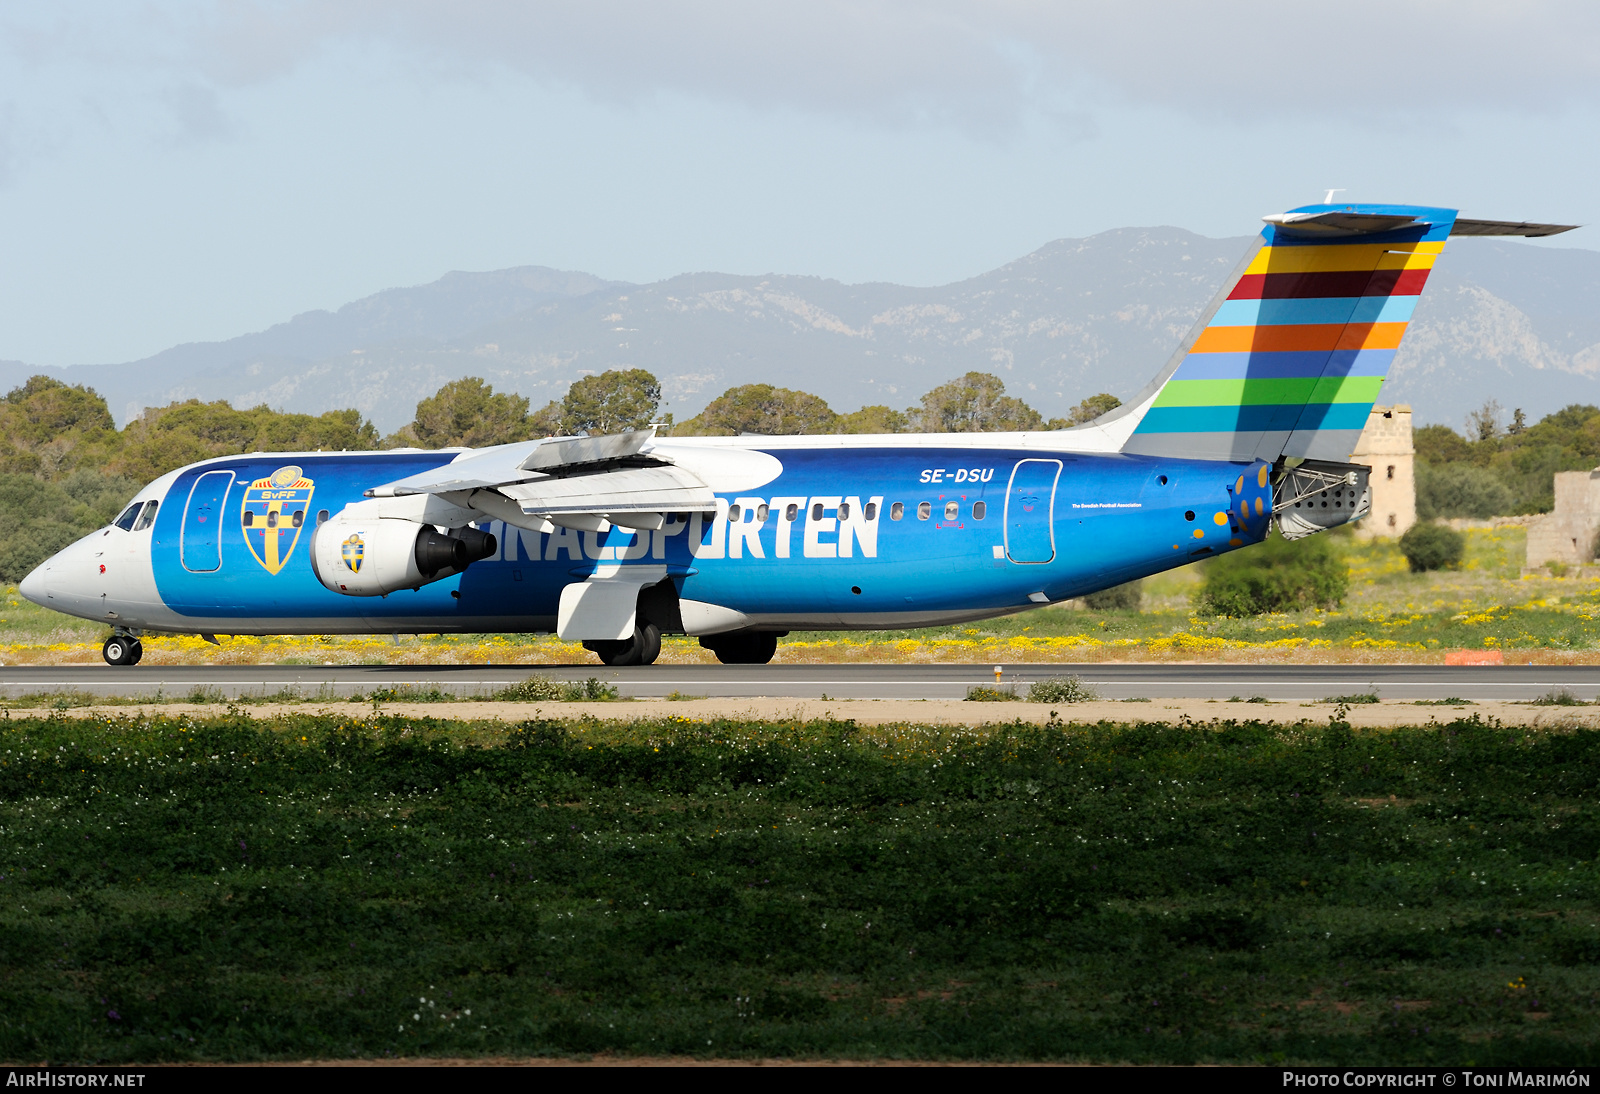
x=576, y=452
x=489, y=468
x=628, y=490
x=481, y=470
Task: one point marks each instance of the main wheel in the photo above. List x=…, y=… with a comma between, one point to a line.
x=649, y=639
x=118, y=650
x=756, y=648
x=610, y=652
x=642, y=649
x=137, y=653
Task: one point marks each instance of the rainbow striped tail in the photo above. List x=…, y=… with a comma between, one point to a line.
x=1290, y=356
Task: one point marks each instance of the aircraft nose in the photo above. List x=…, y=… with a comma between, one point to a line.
x=35, y=586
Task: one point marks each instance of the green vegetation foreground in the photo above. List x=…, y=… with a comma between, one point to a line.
x=234, y=889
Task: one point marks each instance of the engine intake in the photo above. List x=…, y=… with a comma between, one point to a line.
x=375, y=556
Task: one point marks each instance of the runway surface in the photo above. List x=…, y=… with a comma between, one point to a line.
x=855, y=681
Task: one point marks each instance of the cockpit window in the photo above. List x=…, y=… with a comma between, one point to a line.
x=148, y=517
x=125, y=521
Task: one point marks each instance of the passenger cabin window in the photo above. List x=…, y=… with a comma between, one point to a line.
x=125, y=521
x=733, y=514
x=816, y=511
x=897, y=510
x=844, y=510
x=148, y=517
x=870, y=511
x=322, y=515
x=924, y=510
x=792, y=512
x=978, y=510
x=249, y=519
x=299, y=517
x=952, y=510
x=762, y=513
x=272, y=520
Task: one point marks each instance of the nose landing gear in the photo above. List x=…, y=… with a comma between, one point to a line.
x=122, y=648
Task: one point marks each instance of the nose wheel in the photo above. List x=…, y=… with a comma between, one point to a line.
x=120, y=649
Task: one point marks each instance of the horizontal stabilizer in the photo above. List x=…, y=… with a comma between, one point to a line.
x=1339, y=222
x=1507, y=228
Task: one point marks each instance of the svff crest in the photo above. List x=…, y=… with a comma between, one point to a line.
x=275, y=507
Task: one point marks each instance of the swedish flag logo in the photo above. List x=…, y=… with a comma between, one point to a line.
x=274, y=507
x=353, y=551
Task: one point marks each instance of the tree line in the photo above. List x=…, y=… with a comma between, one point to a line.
x=66, y=469
x=1501, y=465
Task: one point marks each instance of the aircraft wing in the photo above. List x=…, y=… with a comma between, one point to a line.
x=576, y=482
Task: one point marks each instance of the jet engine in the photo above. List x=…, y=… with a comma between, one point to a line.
x=375, y=556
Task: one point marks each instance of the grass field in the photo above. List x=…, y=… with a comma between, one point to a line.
x=1391, y=615
x=312, y=887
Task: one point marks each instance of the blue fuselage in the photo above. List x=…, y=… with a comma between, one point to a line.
x=839, y=538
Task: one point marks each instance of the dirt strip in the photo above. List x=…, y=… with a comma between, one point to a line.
x=871, y=712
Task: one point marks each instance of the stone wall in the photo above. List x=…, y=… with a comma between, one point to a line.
x=1567, y=534
x=1385, y=446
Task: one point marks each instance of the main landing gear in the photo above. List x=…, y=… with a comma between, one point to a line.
x=642, y=649
x=743, y=647
x=122, y=648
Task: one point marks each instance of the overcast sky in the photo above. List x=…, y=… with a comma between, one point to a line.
x=183, y=171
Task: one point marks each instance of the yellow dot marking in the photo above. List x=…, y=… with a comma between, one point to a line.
x=1236, y=542
x=1199, y=533
x=1258, y=507
x=1261, y=476
x=1238, y=487
x=1220, y=519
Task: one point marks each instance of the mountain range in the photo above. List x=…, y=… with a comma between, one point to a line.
x=1499, y=320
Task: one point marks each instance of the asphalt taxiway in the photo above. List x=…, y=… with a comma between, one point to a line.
x=1506, y=683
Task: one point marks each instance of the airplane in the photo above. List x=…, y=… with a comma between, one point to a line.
x=615, y=540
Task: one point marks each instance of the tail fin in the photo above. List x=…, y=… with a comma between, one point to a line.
x=1290, y=356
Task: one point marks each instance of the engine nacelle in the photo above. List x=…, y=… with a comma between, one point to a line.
x=375, y=556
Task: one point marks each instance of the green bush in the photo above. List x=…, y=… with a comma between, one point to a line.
x=1359, y=699
x=543, y=733
x=535, y=689
x=1461, y=490
x=1276, y=576
x=1062, y=689
x=542, y=689
x=1119, y=598
x=38, y=518
x=1433, y=547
